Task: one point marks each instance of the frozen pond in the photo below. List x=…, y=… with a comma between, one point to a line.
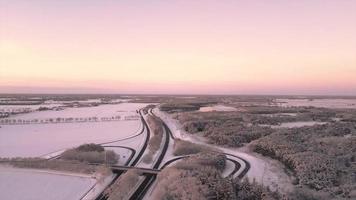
x=18, y=184
x=322, y=103
x=40, y=139
x=217, y=108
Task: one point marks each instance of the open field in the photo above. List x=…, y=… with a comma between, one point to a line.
x=38, y=139
x=17, y=184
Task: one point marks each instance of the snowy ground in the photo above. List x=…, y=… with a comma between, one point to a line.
x=297, y=124
x=265, y=171
x=124, y=153
x=18, y=184
x=10, y=108
x=41, y=139
x=217, y=108
x=229, y=168
x=52, y=139
x=123, y=109
x=323, y=103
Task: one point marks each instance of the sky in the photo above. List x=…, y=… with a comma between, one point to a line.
x=178, y=47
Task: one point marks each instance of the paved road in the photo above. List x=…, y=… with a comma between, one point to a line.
x=135, y=161
x=151, y=174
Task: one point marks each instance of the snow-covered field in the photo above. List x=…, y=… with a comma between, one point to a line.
x=123, y=109
x=41, y=139
x=18, y=184
x=217, y=108
x=28, y=108
x=323, y=103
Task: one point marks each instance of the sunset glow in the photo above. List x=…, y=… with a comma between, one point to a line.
x=203, y=47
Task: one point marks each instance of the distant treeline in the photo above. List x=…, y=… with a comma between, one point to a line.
x=66, y=120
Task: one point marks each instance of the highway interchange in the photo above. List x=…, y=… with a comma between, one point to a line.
x=241, y=166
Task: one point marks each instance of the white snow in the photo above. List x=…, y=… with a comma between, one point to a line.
x=123, y=109
x=217, y=108
x=229, y=168
x=323, y=103
x=40, y=139
x=18, y=184
x=22, y=108
x=100, y=186
x=297, y=124
x=124, y=153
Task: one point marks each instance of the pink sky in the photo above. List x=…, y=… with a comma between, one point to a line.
x=204, y=47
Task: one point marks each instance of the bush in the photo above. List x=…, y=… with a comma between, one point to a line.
x=253, y=191
x=109, y=157
x=147, y=158
x=60, y=165
x=90, y=153
x=196, y=177
x=224, y=128
x=90, y=147
x=155, y=141
x=182, y=147
x=307, y=194
x=207, y=159
x=320, y=156
x=123, y=185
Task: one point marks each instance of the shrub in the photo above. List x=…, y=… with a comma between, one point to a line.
x=155, y=141
x=123, y=185
x=90, y=147
x=147, y=158
x=109, y=156
x=182, y=147
x=196, y=177
x=246, y=190
x=307, y=194
x=320, y=156
x=91, y=153
x=60, y=165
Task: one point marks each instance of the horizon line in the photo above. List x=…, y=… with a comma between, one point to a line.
x=177, y=94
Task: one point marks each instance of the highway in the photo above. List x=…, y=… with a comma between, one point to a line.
x=135, y=161
x=241, y=166
x=149, y=179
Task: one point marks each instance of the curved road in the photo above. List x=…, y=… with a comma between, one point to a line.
x=149, y=179
x=138, y=157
